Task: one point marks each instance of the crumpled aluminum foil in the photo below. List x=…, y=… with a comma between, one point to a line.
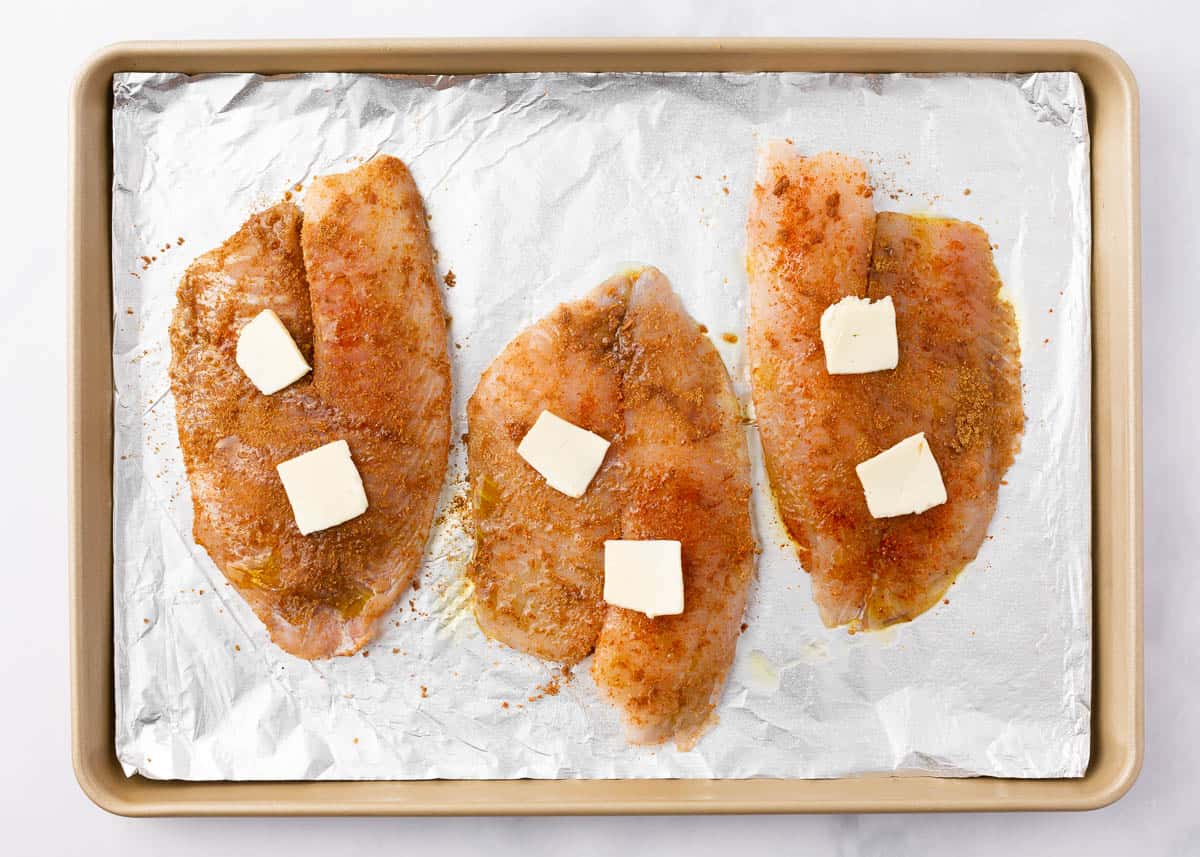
x=540, y=186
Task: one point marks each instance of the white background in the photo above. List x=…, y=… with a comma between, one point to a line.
x=42, y=811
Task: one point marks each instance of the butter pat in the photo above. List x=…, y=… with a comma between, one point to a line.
x=566, y=455
x=902, y=480
x=268, y=355
x=323, y=487
x=646, y=576
x=859, y=336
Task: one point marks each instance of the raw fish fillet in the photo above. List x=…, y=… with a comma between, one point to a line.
x=538, y=567
x=813, y=239
x=628, y=363
x=685, y=476
x=353, y=281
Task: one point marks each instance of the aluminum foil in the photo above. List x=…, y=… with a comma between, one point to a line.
x=540, y=186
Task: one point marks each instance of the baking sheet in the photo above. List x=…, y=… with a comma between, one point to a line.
x=540, y=185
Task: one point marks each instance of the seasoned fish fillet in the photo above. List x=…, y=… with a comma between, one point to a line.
x=959, y=381
x=538, y=567
x=629, y=364
x=813, y=239
x=685, y=476
x=353, y=281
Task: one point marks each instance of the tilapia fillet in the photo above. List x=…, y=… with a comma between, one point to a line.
x=685, y=476
x=538, y=567
x=813, y=238
x=352, y=278
x=628, y=363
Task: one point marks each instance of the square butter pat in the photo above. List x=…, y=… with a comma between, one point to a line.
x=268, y=355
x=323, y=487
x=859, y=336
x=566, y=455
x=646, y=576
x=902, y=480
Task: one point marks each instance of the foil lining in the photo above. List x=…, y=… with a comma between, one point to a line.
x=540, y=186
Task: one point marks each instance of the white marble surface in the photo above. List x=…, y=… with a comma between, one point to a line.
x=42, y=810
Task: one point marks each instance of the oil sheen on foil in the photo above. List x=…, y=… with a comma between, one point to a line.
x=538, y=187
